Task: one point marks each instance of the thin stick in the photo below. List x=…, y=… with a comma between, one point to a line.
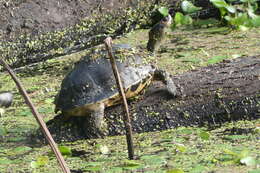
x=127, y=121
x=42, y=124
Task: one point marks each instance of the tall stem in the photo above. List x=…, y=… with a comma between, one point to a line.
x=39, y=119
x=127, y=121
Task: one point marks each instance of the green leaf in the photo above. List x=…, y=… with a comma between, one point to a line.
x=243, y=154
x=41, y=161
x=216, y=59
x=34, y=164
x=198, y=169
x=242, y=157
x=49, y=100
x=5, y=161
x=242, y=28
x=235, y=137
x=206, y=22
x=223, y=11
x=223, y=7
x=175, y=171
x=25, y=112
x=181, y=147
x=130, y=164
x=45, y=110
x=193, y=60
x=178, y=18
x=240, y=20
x=187, y=20
x=248, y=161
x=65, y=150
x=188, y=7
x=219, y=3
x=93, y=166
x=230, y=1
x=16, y=139
x=231, y=9
x=153, y=160
x=183, y=54
x=3, y=131
x=98, y=168
x=229, y=152
x=204, y=135
x=256, y=21
x=19, y=150
x=185, y=131
x=164, y=11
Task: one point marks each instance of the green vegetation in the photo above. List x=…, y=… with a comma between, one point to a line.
x=183, y=149
x=240, y=17
x=230, y=148
x=181, y=19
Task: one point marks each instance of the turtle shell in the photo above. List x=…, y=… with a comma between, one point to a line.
x=92, y=79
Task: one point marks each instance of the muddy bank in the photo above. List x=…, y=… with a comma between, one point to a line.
x=34, y=17
x=209, y=96
x=65, y=38
x=34, y=31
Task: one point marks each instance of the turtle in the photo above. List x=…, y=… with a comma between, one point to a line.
x=90, y=87
x=6, y=99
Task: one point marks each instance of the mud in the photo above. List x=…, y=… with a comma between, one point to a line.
x=36, y=16
x=209, y=96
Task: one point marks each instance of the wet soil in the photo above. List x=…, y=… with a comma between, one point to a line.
x=208, y=96
x=36, y=16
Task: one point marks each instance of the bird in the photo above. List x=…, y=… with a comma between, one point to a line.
x=157, y=33
x=6, y=99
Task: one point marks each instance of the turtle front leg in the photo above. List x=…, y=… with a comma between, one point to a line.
x=98, y=115
x=95, y=124
x=167, y=80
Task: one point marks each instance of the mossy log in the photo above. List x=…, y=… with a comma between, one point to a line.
x=211, y=95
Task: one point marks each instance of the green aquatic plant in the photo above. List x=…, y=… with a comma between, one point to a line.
x=184, y=18
x=242, y=16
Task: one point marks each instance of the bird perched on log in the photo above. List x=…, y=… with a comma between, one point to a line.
x=6, y=99
x=157, y=33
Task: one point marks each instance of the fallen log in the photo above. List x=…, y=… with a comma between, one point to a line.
x=212, y=95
